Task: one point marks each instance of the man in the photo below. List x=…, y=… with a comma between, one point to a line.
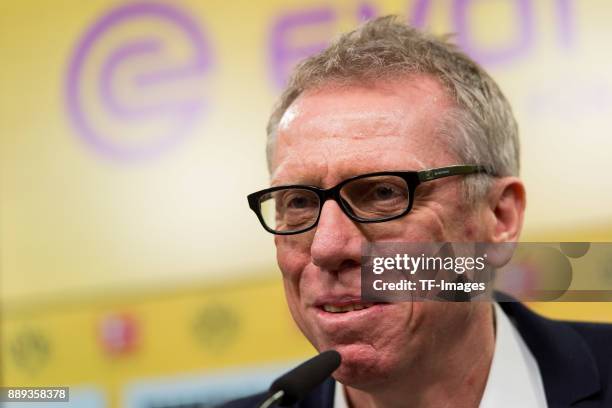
x=386, y=98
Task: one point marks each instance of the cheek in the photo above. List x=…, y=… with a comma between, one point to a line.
x=478, y=227
x=453, y=220
x=293, y=257
x=464, y=221
x=471, y=230
x=420, y=226
x=293, y=254
x=466, y=224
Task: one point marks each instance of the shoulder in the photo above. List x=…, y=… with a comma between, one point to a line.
x=575, y=358
x=595, y=337
x=598, y=338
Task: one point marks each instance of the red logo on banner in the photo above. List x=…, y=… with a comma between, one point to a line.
x=119, y=334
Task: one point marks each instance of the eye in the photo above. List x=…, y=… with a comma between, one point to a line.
x=299, y=200
x=376, y=195
x=385, y=192
x=296, y=209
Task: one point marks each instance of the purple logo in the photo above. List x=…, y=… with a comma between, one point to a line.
x=300, y=33
x=135, y=83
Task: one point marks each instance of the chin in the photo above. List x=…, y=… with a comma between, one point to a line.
x=362, y=366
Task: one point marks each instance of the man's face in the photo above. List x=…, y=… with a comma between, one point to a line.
x=335, y=133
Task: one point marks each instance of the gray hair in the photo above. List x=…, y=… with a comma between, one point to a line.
x=481, y=127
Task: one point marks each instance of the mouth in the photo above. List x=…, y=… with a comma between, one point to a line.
x=348, y=318
x=339, y=318
x=345, y=308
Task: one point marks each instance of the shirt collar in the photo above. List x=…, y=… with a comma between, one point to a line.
x=514, y=378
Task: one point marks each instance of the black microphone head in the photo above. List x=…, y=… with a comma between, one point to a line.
x=305, y=377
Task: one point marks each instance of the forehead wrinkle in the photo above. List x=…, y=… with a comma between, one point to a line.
x=308, y=128
x=361, y=121
x=430, y=90
x=355, y=125
x=297, y=168
x=299, y=165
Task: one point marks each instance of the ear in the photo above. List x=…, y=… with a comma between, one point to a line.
x=507, y=202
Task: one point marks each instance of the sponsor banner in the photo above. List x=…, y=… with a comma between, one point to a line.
x=126, y=342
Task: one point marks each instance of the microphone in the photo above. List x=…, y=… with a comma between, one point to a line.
x=294, y=385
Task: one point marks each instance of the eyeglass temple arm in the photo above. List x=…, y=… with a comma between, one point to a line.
x=432, y=174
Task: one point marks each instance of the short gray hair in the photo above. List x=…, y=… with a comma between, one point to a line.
x=481, y=128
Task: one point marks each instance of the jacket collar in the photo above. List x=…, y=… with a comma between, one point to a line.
x=569, y=371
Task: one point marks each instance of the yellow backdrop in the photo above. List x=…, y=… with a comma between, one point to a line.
x=131, y=133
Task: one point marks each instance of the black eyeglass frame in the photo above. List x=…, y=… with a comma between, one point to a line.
x=412, y=178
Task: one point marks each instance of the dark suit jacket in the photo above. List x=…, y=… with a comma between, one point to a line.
x=575, y=361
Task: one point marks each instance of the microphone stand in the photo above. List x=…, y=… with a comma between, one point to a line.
x=294, y=385
x=272, y=399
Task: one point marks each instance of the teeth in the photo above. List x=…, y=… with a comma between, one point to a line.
x=344, y=309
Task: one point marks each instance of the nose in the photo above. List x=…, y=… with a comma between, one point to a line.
x=336, y=244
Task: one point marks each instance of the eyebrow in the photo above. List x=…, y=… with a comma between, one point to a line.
x=316, y=181
x=300, y=181
x=295, y=178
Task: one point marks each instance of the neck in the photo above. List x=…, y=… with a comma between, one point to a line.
x=454, y=374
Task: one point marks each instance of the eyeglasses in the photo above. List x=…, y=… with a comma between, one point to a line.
x=367, y=198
